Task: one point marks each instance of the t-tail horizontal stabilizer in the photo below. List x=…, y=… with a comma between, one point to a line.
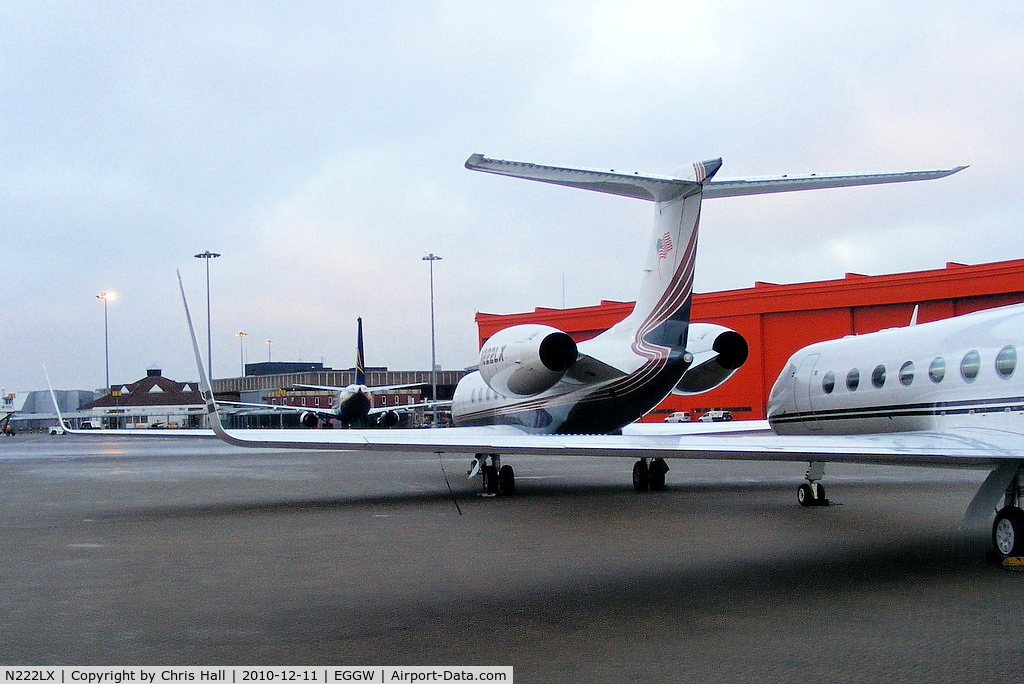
x=651, y=188
x=662, y=188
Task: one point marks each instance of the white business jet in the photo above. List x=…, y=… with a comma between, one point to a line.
x=945, y=393
x=538, y=392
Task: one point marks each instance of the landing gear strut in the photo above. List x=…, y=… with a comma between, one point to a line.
x=812, y=492
x=497, y=478
x=649, y=475
x=1008, y=527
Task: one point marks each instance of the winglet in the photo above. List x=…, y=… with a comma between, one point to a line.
x=56, y=406
x=205, y=388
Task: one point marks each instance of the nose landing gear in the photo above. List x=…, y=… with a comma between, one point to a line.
x=1008, y=526
x=812, y=492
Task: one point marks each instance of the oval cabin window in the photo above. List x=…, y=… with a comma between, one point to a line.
x=1006, y=361
x=907, y=373
x=970, y=366
x=828, y=383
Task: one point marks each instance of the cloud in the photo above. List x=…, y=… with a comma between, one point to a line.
x=319, y=148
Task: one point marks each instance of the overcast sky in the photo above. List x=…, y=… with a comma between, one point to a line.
x=319, y=147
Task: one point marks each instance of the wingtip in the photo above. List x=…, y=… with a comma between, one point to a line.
x=474, y=161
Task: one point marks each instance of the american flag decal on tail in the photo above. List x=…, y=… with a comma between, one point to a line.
x=664, y=245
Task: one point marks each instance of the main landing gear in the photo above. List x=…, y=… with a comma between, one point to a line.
x=1008, y=527
x=649, y=475
x=497, y=478
x=812, y=492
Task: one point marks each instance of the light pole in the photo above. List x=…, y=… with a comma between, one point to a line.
x=241, y=353
x=433, y=348
x=270, y=349
x=207, y=255
x=106, y=297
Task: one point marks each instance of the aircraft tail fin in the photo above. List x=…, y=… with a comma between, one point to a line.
x=662, y=312
x=661, y=315
x=360, y=363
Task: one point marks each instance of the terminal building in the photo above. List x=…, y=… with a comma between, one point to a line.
x=776, y=320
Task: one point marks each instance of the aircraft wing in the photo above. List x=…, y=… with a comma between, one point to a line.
x=760, y=427
x=255, y=405
x=997, y=451
x=140, y=432
x=327, y=413
x=441, y=403
x=966, y=447
x=381, y=388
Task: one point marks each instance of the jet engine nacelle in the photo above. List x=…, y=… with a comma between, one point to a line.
x=388, y=419
x=717, y=353
x=526, y=359
x=309, y=419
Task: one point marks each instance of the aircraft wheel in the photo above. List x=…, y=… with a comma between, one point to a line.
x=657, y=471
x=641, y=476
x=805, y=495
x=490, y=474
x=506, y=480
x=1008, y=532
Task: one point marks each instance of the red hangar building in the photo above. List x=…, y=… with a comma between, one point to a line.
x=777, y=320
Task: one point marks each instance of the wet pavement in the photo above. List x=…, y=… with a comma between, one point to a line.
x=190, y=552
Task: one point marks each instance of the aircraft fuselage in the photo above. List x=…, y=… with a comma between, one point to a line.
x=956, y=372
